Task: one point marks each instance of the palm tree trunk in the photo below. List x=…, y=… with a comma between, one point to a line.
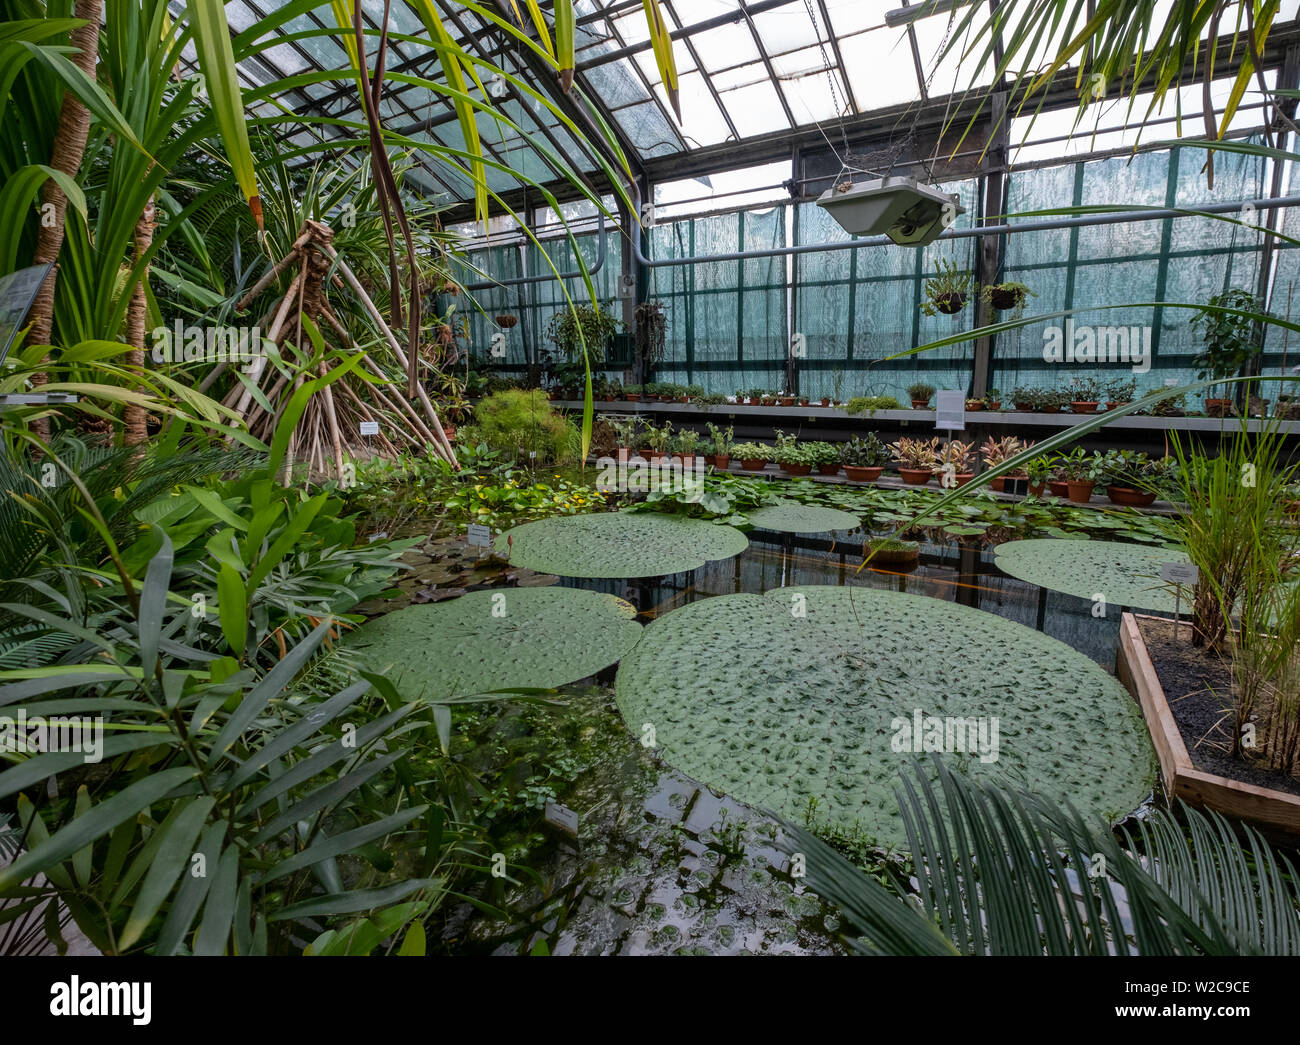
x=69, y=148
x=134, y=417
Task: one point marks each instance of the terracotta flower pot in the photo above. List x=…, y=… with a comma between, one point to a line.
x=1037, y=489
x=962, y=478
x=1218, y=407
x=863, y=475
x=1058, y=488
x=999, y=484
x=828, y=469
x=826, y=401
x=1084, y=407
x=1025, y=408
x=1130, y=497
x=1049, y=409
x=722, y=462
x=993, y=406
x=752, y=465
x=915, y=476
x=787, y=400
x=768, y=401
x=632, y=397
x=655, y=455
x=1080, y=491
x=950, y=304
x=797, y=469
x=920, y=404
x=975, y=404
x=665, y=399
x=1115, y=406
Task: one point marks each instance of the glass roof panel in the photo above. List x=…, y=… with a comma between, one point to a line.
x=726, y=46
x=755, y=108
x=880, y=67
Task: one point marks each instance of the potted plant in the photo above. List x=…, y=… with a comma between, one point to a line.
x=692, y=392
x=1051, y=401
x=916, y=459
x=632, y=393
x=826, y=401
x=1120, y=392
x=570, y=328
x=792, y=455
x=920, y=394
x=864, y=459
x=954, y=462
x=1039, y=470
x=687, y=440
x=627, y=435
x=658, y=440
x=1230, y=342
x=948, y=291
x=826, y=457
x=753, y=457
x=507, y=322
x=723, y=439
x=993, y=400
x=974, y=404
x=1081, y=471
x=1007, y=297
x=1085, y=395
x=785, y=398
x=1025, y=398
x=996, y=452
x=891, y=551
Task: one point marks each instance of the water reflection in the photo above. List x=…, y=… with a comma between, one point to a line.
x=949, y=570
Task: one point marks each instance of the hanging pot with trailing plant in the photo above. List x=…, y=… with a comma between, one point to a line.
x=507, y=322
x=948, y=291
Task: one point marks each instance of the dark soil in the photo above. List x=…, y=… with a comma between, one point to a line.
x=1198, y=686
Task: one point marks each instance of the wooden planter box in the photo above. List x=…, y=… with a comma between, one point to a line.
x=1276, y=810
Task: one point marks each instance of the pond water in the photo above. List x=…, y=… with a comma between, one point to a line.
x=663, y=864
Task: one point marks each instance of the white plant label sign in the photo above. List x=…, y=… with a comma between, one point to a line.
x=369, y=427
x=480, y=536
x=950, y=410
x=1180, y=573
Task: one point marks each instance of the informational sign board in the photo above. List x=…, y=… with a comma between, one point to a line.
x=480, y=536
x=950, y=411
x=1180, y=573
x=561, y=817
x=17, y=292
x=369, y=427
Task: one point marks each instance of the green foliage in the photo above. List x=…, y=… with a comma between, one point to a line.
x=1230, y=338
x=920, y=392
x=1124, y=574
x=866, y=452
x=1000, y=871
x=752, y=452
x=870, y=404
x=519, y=423
x=950, y=281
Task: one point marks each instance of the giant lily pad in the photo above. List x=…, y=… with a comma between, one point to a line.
x=1124, y=574
x=534, y=638
x=801, y=696
x=793, y=517
x=619, y=544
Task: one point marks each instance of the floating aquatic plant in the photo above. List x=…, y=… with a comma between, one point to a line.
x=1123, y=574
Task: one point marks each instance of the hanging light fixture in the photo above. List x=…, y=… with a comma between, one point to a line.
x=909, y=213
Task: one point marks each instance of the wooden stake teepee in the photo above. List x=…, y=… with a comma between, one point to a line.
x=330, y=427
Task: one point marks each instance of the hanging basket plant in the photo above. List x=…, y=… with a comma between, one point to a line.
x=948, y=292
x=507, y=322
x=1007, y=297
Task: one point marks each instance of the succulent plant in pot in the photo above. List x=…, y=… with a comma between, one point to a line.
x=753, y=457
x=917, y=459
x=948, y=291
x=920, y=394
x=864, y=459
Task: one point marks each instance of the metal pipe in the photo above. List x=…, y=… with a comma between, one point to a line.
x=1119, y=218
x=602, y=252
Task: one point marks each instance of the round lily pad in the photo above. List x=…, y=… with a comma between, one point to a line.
x=619, y=544
x=529, y=638
x=806, y=701
x=793, y=517
x=1124, y=574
